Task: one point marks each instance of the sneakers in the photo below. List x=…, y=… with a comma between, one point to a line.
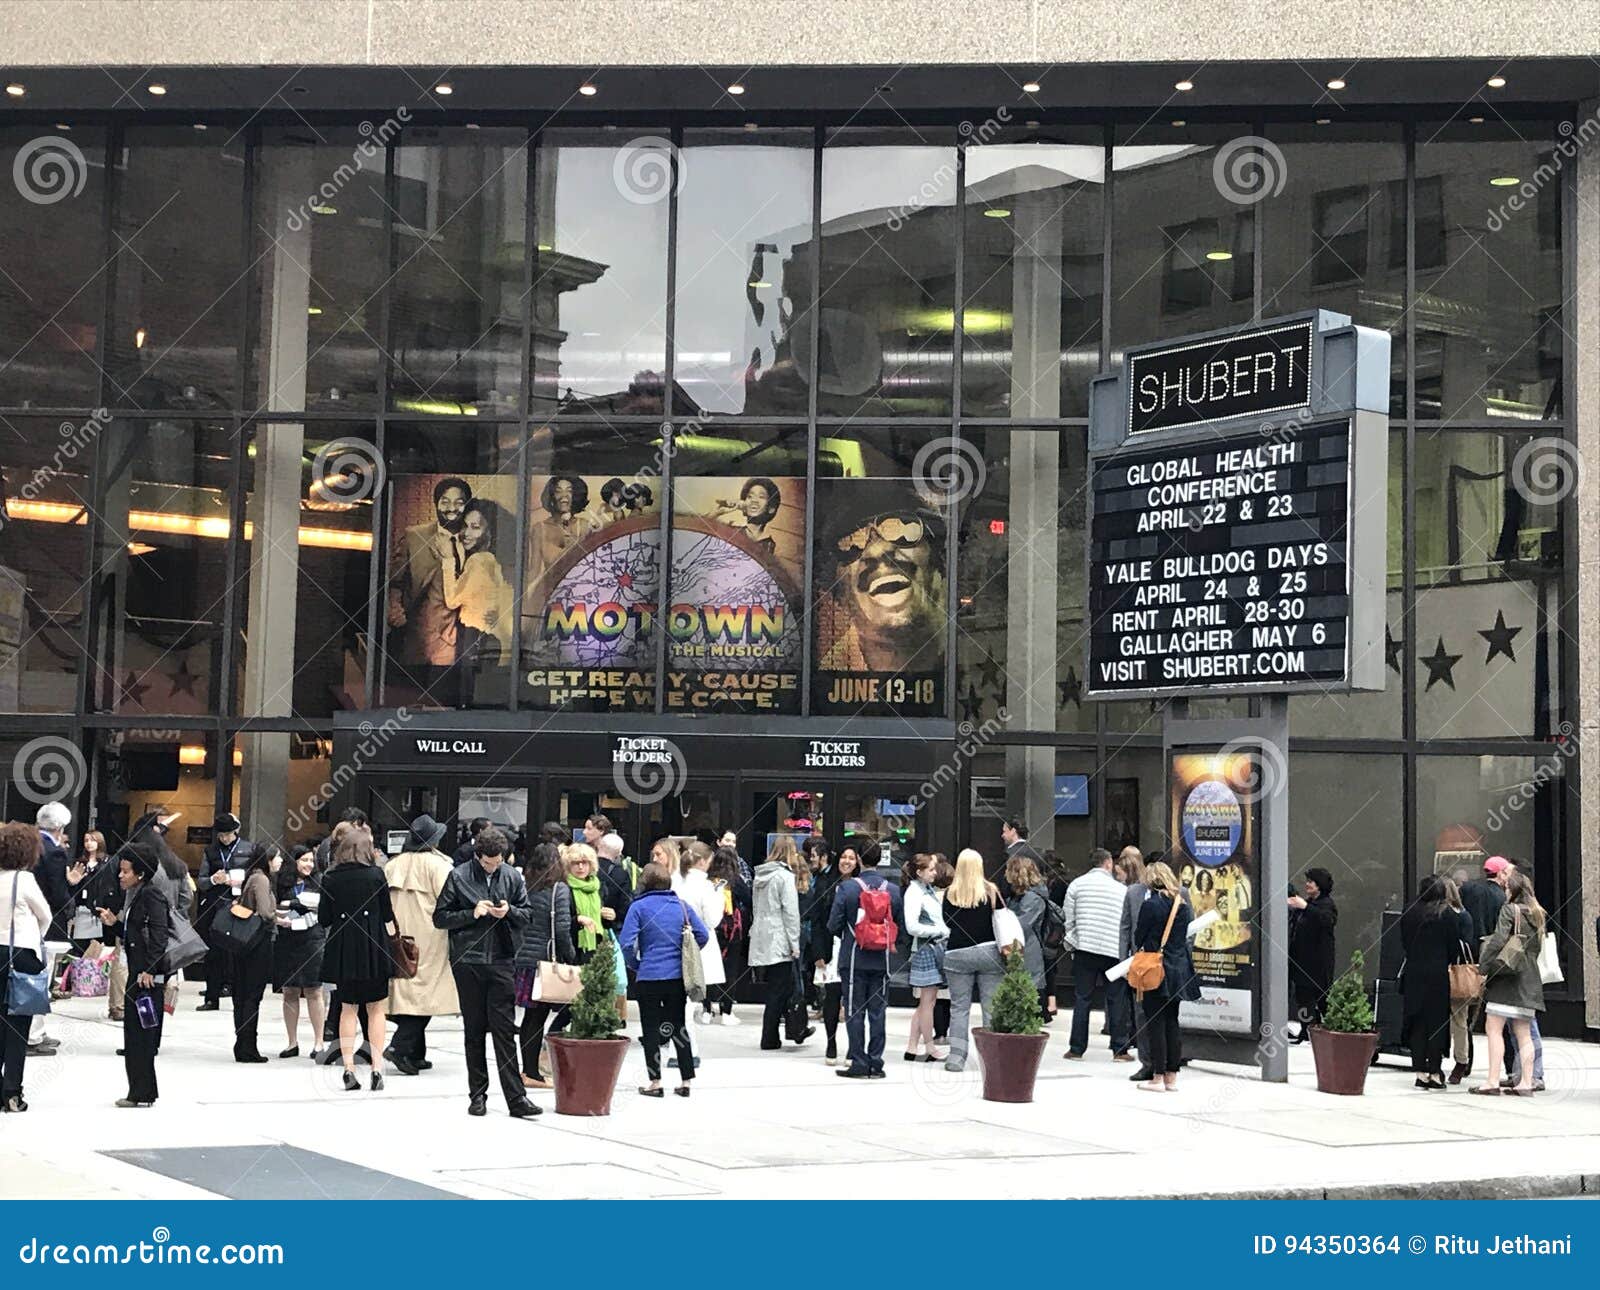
x=729, y=1019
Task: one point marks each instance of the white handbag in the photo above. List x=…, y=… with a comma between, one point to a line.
x=1007, y=929
x=1549, y=959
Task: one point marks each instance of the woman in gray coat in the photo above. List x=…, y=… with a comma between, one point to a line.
x=775, y=936
x=1513, y=991
x=1029, y=895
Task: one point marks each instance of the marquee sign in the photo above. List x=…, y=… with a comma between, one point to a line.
x=1232, y=553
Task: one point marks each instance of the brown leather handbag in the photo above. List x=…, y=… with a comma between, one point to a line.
x=1148, y=971
x=403, y=950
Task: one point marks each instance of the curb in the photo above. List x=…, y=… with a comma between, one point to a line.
x=1518, y=1187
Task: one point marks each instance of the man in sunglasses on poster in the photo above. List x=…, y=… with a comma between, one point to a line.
x=886, y=648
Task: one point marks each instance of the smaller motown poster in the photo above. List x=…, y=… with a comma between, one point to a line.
x=879, y=600
x=1214, y=828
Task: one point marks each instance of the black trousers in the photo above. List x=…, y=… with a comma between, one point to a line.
x=832, y=1002
x=661, y=1019
x=488, y=1010
x=219, y=970
x=410, y=1039
x=530, y=1036
x=139, y=1046
x=251, y=974
x=867, y=997
x=734, y=967
x=941, y=1019
x=13, y=1050
x=1161, y=1034
x=779, y=981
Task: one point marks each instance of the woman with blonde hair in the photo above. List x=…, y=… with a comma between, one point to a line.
x=972, y=962
x=1513, y=989
x=1153, y=933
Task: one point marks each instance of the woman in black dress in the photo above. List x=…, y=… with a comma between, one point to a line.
x=297, y=953
x=1431, y=937
x=1311, y=948
x=359, y=920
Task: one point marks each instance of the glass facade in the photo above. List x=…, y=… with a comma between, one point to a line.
x=456, y=418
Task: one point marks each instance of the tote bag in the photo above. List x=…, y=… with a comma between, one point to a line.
x=555, y=982
x=27, y=993
x=694, y=970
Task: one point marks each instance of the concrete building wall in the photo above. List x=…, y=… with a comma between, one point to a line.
x=468, y=33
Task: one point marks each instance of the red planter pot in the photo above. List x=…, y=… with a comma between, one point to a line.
x=585, y=1073
x=1010, y=1064
x=1342, y=1059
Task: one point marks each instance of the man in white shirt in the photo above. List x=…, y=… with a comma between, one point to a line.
x=1093, y=909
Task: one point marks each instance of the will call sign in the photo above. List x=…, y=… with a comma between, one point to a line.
x=1221, y=564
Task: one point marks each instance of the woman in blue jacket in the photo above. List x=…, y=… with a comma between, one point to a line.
x=652, y=943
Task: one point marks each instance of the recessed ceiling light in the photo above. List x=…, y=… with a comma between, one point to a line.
x=322, y=208
x=1030, y=87
x=157, y=89
x=63, y=127
x=736, y=88
x=545, y=246
x=314, y=310
x=1183, y=87
x=1496, y=82
x=997, y=212
x=139, y=337
x=198, y=125
x=751, y=125
x=444, y=88
x=472, y=125
x=1504, y=181
x=1179, y=123
x=1475, y=120
x=588, y=91
x=1337, y=83
x=1322, y=120
x=16, y=89
x=1032, y=125
x=757, y=283
x=1219, y=255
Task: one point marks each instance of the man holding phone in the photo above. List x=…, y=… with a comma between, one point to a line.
x=484, y=907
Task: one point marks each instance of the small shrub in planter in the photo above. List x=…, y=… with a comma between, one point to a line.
x=1012, y=1044
x=1343, y=1045
x=587, y=1058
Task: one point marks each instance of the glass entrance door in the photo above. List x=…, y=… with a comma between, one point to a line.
x=705, y=806
x=504, y=807
x=392, y=806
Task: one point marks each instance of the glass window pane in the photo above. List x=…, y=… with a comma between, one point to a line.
x=1021, y=534
x=303, y=647
x=1329, y=238
x=1182, y=256
x=744, y=270
x=459, y=250
x=736, y=626
x=147, y=768
x=45, y=468
x=52, y=265
x=1034, y=252
x=318, y=228
x=452, y=563
x=1488, y=305
x=879, y=574
x=161, y=572
x=600, y=277
x=1489, y=577
x=593, y=580
x=888, y=274
x=1352, y=835
x=175, y=343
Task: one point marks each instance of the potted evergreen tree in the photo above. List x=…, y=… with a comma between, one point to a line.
x=1344, y=1044
x=587, y=1058
x=1012, y=1044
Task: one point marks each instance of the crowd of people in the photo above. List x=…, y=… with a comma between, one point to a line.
x=370, y=948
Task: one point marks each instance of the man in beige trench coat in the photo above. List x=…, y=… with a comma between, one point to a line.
x=416, y=876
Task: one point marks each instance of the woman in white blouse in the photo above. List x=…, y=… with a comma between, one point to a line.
x=24, y=915
x=694, y=887
x=926, y=926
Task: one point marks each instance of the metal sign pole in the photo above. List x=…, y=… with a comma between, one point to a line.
x=1272, y=1052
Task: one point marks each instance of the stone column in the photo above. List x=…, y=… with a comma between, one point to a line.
x=274, y=509
x=1584, y=409
x=1035, y=458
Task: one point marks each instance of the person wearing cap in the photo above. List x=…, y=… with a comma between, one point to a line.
x=416, y=877
x=142, y=924
x=226, y=850
x=887, y=549
x=1483, y=897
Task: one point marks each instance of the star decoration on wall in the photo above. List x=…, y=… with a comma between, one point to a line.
x=1439, y=664
x=133, y=690
x=1070, y=690
x=183, y=680
x=1392, y=648
x=1499, y=637
x=971, y=704
x=989, y=674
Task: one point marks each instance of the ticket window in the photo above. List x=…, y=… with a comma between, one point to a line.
x=505, y=808
x=392, y=807
x=797, y=811
x=889, y=819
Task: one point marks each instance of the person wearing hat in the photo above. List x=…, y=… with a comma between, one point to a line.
x=226, y=850
x=142, y=925
x=887, y=585
x=1483, y=897
x=416, y=877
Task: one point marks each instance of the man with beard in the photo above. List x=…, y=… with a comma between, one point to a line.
x=424, y=626
x=888, y=587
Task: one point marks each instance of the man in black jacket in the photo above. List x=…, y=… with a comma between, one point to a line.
x=1483, y=897
x=484, y=907
x=226, y=850
x=466, y=850
x=616, y=890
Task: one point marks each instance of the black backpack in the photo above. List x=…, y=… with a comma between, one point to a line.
x=1053, y=928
